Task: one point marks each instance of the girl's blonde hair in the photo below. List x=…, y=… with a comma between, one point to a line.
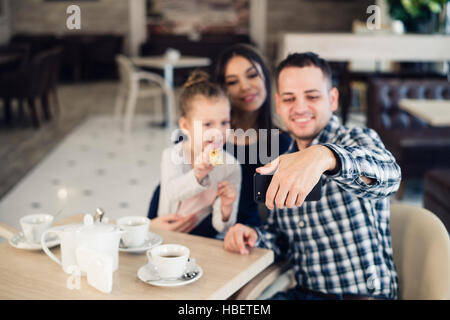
x=198, y=84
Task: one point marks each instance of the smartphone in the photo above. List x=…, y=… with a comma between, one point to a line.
x=261, y=183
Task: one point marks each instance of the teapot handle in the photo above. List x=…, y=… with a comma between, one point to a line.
x=45, y=248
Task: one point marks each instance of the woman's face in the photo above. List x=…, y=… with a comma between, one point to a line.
x=244, y=82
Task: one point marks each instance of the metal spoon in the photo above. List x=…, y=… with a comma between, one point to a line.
x=186, y=276
x=189, y=275
x=99, y=213
x=58, y=213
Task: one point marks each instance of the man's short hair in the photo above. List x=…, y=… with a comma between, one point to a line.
x=305, y=59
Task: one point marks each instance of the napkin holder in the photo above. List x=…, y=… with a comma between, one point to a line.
x=98, y=267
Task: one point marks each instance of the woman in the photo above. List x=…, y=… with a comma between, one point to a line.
x=242, y=72
x=244, y=75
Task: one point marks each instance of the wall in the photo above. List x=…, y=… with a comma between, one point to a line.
x=39, y=16
x=311, y=16
x=5, y=21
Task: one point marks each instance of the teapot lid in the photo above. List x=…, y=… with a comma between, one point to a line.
x=90, y=227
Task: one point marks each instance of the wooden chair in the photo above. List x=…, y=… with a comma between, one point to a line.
x=29, y=83
x=49, y=98
x=131, y=88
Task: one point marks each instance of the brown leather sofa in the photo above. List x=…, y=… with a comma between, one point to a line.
x=416, y=145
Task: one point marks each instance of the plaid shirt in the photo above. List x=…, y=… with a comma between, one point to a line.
x=341, y=244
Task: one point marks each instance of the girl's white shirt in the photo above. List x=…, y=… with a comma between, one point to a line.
x=180, y=188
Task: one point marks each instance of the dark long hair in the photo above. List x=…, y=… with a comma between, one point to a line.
x=264, y=120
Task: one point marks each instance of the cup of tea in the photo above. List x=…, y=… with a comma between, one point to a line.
x=34, y=225
x=136, y=230
x=170, y=260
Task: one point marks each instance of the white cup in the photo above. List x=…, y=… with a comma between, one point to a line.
x=136, y=230
x=34, y=225
x=170, y=260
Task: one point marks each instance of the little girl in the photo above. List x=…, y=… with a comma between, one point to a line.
x=193, y=180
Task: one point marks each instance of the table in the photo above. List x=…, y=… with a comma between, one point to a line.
x=375, y=47
x=161, y=62
x=32, y=275
x=434, y=112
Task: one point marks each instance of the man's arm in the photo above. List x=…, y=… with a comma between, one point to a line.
x=365, y=167
x=357, y=160
x=267, y=236
x=270, y=237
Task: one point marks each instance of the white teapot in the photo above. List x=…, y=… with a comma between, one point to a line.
x=101, y=237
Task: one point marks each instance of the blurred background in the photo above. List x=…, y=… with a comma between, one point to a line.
x=60, y=88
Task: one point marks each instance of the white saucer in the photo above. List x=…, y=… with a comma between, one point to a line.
x=151, y=241
x=146, y=273
x=18, y=241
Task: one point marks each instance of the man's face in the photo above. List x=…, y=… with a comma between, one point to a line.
x=304, y=101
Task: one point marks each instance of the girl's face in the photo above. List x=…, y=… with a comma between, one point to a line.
x=245, y=84
x=207, y=122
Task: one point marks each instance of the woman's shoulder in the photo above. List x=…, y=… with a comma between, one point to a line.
x=285, y=140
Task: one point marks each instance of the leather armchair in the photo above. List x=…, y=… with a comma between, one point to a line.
x=416, y=145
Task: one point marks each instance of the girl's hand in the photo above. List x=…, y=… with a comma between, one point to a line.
x=228, y=194
x=202, y=166
x=174, y=222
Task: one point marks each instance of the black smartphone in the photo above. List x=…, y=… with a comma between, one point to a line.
x=261, y=183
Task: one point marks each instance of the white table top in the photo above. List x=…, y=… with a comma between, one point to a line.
x=162, y=61
x=367, y=47
x=434, y=112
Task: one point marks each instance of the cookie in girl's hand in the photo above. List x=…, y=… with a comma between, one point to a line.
x=215, y=157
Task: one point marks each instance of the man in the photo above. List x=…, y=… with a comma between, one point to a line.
x=339, y=246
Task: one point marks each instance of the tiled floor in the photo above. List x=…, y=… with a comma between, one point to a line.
x=95, y=166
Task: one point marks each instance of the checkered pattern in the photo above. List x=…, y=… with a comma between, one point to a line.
x=341, y=244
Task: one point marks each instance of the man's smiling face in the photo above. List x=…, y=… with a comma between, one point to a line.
x=305, y=101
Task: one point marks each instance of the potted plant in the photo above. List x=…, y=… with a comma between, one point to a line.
x=418, y=16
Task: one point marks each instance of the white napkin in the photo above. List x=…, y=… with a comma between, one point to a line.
x=98, y=267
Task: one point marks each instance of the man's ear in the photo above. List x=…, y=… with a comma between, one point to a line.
x=334, y=99
x=277, y=103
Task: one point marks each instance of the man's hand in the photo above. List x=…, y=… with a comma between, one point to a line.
x=238, y=236
x=296, y=175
